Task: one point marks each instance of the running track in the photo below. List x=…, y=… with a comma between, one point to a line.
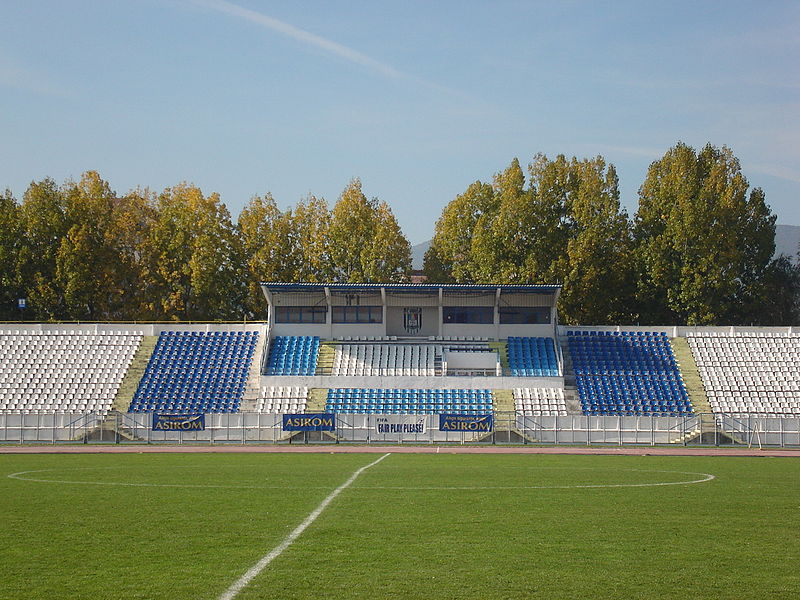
x=401, y=449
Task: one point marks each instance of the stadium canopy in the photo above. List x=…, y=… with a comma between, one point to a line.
x=411, y=309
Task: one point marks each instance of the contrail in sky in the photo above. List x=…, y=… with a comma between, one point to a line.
x=301, y=35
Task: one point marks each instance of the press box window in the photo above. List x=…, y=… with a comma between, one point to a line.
x=477, y=315
x=357, y=314
x=300, y=314
x=524, y=315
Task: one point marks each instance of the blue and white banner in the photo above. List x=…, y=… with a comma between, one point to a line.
x=184, y=422
x=476, y=423
x=310, y=422
x=404, y=424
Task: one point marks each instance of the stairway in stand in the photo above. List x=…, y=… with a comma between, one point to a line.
x=325, y=358
x=134, y=373
x=317, y=397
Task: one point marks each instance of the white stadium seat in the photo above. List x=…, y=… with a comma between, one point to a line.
x=59, y=371
x=749, y=373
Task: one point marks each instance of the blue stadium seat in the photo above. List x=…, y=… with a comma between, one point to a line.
x=627, y=373
x=293, y=355
x=532, y=357
x=192, y=371
x=408, y=401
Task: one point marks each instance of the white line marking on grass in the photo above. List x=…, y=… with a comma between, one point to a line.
x=705, y=477
x=21, y=477
x=245, y=579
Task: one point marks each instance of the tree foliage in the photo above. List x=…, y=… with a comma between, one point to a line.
x=703, y=240
x=597, y=272
x=9, y=251
x=564, y=224
x=452, y=245
x=269, y=246
x=698, y=250
x=365, y=243
x=358, y=241
x=43, y=225
x=193, y=257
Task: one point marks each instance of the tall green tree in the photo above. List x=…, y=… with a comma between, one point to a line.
x=193, y=258
x=86, y=263
x=507, y=232
x=43, y=224
x=597, y=269
x=778, y=303
x=451, y=257
x=311, y=247
x=564, y=224
x=270, y=246
x=503, y=237
x=704, y=239
x=132, y=220
x=365, y=240
x=9, y=252
x=99, y=259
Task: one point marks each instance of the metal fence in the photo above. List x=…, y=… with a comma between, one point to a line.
x=509, y=428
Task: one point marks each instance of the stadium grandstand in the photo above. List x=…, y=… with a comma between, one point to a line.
x=395, y=360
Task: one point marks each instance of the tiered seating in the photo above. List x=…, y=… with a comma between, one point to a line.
x=749, y=373
x=293, y=355
x=404, y=401
x=392, y=360
x=63, y=371
x=283, y=399
x=532, y=357
x=627, y=373
x=540, y=402
x=198, y=372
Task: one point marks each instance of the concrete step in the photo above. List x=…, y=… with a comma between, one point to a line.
x=130, y=382
x=572, y=401
x=317, y=397
x=325, y=356
x=708, y=431
x=503, y=401
x=690, y=374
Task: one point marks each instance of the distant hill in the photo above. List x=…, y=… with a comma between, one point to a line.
x=418, y=254
x=787, y=241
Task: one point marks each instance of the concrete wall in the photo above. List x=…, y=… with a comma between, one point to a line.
x=410, y=382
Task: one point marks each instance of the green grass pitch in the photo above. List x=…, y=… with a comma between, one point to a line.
x=440, y=526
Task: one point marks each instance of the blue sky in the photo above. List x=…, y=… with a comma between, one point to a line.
x=418, y=99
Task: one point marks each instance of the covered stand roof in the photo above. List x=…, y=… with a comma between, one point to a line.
x=411, y=287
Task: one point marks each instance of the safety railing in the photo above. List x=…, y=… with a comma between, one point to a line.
x=503, y=428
